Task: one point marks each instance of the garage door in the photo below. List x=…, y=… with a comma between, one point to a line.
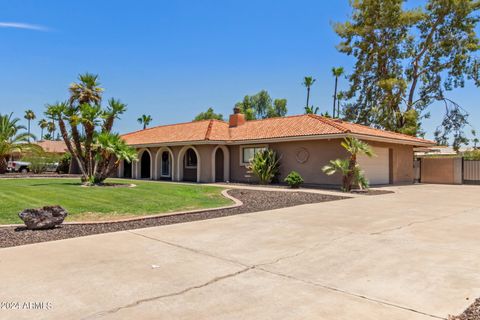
x=376, y=168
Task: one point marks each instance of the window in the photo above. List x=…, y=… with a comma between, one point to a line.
x=190, y=159
x=249, y=152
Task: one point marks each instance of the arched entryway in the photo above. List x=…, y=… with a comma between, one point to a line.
x=127, y=169
x=146, y=165
x=164, y=165
x=220, y=164
x=189, y=164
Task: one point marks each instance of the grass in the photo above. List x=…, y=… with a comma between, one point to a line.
x=103, y=203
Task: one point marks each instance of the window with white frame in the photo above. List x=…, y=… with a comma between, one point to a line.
x=249, y=152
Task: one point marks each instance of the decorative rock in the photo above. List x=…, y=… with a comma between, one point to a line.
x=43, y=218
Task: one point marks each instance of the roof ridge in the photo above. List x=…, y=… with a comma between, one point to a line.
x=330, y=122
x=393, y=132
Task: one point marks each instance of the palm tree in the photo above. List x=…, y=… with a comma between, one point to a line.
x=43, y=124
x=29, y=115
x=88, y=90
x=145, y=120
x=51, y=127
x=11, y=140
x=307, y=83
x=311, y=110
x=349, y=168
x=337, y=72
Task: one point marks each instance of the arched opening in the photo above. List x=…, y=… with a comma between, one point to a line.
x=219, y=166
x=165, y=166
x=145, y=165
x=127, y=169
x=190, y=165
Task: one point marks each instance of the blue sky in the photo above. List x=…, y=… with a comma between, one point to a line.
x=174, y=59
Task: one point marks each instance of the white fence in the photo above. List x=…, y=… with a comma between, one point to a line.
x=471, y=171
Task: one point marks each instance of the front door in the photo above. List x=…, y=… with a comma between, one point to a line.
x=166, y=164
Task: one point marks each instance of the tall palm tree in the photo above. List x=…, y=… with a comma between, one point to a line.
x=11, y=139
x=51, y=127
x=145, y=120
x=29, y=115
x=337, y=72
x=307, y=83
x=43, y=124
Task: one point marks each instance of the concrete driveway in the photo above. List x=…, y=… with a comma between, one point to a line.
x=414, y=254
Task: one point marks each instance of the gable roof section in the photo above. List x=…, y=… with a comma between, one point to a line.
x=53, y=146
x=273, y=128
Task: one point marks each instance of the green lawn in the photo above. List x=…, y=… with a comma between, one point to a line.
x=103, y=203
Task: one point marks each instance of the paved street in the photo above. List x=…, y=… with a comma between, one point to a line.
x=414, y=254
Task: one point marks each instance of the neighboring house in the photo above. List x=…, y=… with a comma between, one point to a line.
x=48, y=146
x=439, y=151
x=213, y=150
x=53, y=147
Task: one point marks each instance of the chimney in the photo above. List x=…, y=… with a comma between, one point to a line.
x=237, y=118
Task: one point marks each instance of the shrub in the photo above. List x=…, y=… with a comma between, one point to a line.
x=294, y=179
x=472, y=155
x=64, y=163
x=265, y=165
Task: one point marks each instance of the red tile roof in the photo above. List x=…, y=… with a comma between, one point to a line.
x=53, y=146
x=273, y=128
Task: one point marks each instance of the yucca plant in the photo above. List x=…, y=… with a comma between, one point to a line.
x=265, y=165
x=349, y=168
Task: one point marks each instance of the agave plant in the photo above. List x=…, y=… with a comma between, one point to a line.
x=265, y=165
x=11, y=139
x=351, y=172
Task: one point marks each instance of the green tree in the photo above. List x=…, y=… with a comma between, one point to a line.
x=43, y=124
x=208, y=115
x=307, y=83
x=29, y=116
x=12, y=139
x=99, y=151
x=337, y=73
x=279, y=109
x=145, y=120
x=260, y=106
x=406, y=59
x=349, y=168
x=475, y=138
x=51, y=127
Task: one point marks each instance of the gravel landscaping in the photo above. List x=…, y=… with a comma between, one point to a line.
x=253, y=200
x=472, y=313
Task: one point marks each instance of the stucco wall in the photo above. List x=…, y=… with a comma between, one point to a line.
x=320, y=153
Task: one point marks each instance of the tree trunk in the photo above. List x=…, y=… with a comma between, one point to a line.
x=3, y=165
x=308, y=95
x=335, y=97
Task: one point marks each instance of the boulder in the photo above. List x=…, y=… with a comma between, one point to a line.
x=43, y=218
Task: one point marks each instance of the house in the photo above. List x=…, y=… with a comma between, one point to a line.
x=57, y=147
x=213, y=150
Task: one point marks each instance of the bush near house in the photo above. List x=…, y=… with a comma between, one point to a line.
x=64, y=163
x=265, y=165
x=349, y=168
x=294, y=180
x=472, y=155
